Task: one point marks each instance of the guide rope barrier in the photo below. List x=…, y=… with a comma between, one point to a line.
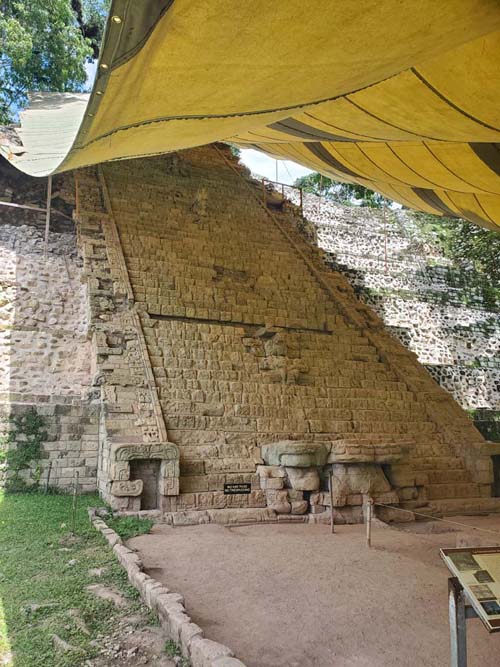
x=435, y=518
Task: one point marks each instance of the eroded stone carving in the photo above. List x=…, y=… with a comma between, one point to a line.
x=295, y=454
x=168, y=483
x=153, y=451
x=127, y=488
x=365, y=451
x=170, y=469
x=361, y=478
x=169, y=486
x=303, y=479
x=120, y=471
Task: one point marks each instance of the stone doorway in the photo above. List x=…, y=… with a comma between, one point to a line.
x=496, y=476
x=148, y=470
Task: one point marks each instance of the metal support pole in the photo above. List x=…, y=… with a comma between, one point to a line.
x=369, y=512
x=385, y=236
x=332, y=522
x=73, y=511
x=47, y=214
x=458, y=634
x=47, y=481
x=77, y=196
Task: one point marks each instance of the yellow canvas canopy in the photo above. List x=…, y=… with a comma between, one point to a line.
x=402, y=97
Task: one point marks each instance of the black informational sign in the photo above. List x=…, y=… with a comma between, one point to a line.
x=233, y=489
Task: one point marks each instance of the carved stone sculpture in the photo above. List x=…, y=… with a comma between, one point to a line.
x=127, y=488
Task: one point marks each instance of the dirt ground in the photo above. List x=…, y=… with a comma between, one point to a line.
x=297, y=596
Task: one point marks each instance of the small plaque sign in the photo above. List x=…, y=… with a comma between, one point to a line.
x=237, y=487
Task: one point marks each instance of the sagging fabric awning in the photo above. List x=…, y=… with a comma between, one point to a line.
x=403, y=97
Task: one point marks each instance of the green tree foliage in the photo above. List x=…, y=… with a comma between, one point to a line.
x=464, y=242
x=344, y=193
x=44, y=45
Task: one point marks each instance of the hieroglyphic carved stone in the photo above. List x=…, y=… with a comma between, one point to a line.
x=120, y=471
x=169, y=486
x=127, y=488
x=170, y=469
x=154, y=451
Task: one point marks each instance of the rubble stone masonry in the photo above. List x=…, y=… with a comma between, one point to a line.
x=45, y=350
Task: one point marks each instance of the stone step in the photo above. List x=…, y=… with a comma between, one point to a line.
x=458, y=490
x=448, y=476
x=454, y=506
x=437, y=463
x=421, y=512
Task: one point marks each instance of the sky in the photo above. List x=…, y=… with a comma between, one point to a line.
x=262, y=165
x=90, y=68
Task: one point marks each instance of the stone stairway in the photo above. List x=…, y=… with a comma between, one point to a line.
x=450, y=489
x=253, y=340
x=458, y=506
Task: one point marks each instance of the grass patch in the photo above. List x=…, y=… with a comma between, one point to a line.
x=173, y=650
x=129, y=526
x=43, y=574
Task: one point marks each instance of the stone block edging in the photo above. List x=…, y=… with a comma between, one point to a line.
x=240, y=517
x=224, y=517
x=168, y=605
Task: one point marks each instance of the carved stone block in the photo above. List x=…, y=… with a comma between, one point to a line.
x=303, y=479
x=169, y=486
x=169, y=469
x=127, y=488
x=120, y=471
x=359, y=478
x=295, y=454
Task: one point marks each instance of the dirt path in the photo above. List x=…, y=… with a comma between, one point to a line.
x=296, y=596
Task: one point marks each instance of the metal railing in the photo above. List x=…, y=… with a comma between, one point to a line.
x=277, y=187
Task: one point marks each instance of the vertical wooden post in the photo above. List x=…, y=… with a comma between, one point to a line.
x=301, y=202
x=47, y=481
x=458, y=635
x=332, y=522
x=369, y=511
x=47, y=214
x=77, y=196
x=385, y=236
x=73, y=511
x=264, y=191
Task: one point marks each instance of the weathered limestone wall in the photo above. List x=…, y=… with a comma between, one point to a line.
x=439, y=311
x=44, y=348
x=208, y=306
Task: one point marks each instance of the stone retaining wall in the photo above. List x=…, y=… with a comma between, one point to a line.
x=44, y=347
x=71, y=444
x=438, y=310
